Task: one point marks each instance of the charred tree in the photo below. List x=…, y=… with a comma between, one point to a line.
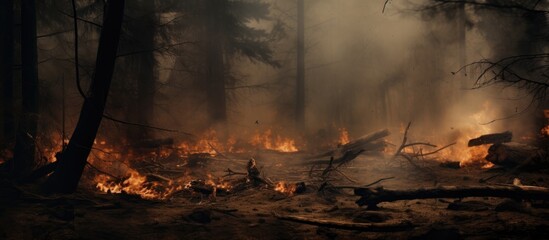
x=26, y=131
x=6, y=68
x=142, y=67
x=300, y=81
x=66, y=176
x=215, y=66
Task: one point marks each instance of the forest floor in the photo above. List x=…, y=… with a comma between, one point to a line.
x=250, y=214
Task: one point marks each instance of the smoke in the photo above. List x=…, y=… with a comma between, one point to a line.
x=365, y=70
x=368, y=70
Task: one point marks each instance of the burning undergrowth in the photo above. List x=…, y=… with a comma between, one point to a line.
x=163, y=168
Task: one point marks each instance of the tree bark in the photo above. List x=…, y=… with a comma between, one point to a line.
x=6, y=68
x=73, y=160
x=26, y=131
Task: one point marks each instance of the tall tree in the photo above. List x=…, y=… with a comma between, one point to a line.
x=6, y=67
x=521, y=61
x=24, y=150
x=66, y=176
x=300, y=83
x=215, y=66
x=139, y=37
x=222, y=34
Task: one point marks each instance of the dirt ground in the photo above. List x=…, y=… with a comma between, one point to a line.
x=250, y=214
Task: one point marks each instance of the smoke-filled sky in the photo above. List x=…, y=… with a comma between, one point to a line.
x=368, y=70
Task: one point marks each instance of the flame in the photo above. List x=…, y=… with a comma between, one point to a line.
x=136, y=184
x=475, y=157
x=285, y=188
x=471, y=156
x=203, y=144
x=343, y=136
x=269, y=141
x=121, y=177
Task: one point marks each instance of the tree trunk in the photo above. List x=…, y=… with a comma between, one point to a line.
x=300, y=83
x=143, y=68
x=67, y=175
x=6, y=69
x=26, y=131
x=215, y=66
x=513, y=154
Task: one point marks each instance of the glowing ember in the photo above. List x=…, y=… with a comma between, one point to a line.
x=545, y=131
x=285, y=188
x=343, y=136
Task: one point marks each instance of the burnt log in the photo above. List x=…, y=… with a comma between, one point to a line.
x=516, y=155
x=373, y=196
x=364, y=141
x=493, y=138
x=372, y=227
x=369, y=142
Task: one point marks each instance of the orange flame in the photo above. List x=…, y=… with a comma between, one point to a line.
x=285, y=188
x=269, y=141
x=136, y=184
x=343, y=136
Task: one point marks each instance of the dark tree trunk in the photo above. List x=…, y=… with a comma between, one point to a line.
x=300, y=83
x=67, y=174
x=143, y=68
x=6, y=69
x=215, y=66
x=26, y=131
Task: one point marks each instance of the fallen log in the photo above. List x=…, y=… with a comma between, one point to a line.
x=373, y=227
x=363, y=141
x=493, y=138
x=369, y=142
x=372, y=196
x=516, y=154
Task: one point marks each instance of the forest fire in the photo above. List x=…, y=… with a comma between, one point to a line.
x=274, y=119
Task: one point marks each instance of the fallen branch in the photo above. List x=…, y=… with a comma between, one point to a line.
x=372, y=196
x=373, y=227
x=367, y=185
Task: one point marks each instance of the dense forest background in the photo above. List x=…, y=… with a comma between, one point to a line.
x=185, y=67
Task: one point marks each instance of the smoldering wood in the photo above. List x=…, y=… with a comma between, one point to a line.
x=373, y=196
x=368, y=142
x=347, y=157
x=493, y=138
x=374, y=227
x=517, y=154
